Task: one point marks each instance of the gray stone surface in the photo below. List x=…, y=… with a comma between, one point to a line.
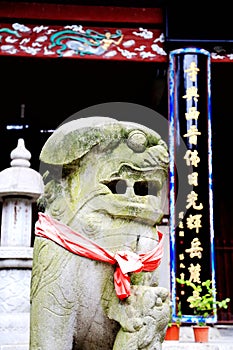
x=14, y=347
x=16, y=252
x=14, y=330
x=20, y=179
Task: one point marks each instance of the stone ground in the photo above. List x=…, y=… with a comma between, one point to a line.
x=220, y=338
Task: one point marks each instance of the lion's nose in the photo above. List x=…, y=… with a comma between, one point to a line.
x=130, y=192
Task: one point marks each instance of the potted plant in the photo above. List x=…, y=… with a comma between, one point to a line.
x=203, y=302
x=173, y=327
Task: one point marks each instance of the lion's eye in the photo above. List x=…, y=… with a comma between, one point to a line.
x=117, y=186
x=144, y=188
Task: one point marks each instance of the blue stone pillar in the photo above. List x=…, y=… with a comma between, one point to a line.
x=191, y=197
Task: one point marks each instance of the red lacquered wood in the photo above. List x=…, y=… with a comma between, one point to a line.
x=61, y=12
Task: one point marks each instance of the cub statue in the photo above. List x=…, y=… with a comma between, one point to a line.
x=97, y=248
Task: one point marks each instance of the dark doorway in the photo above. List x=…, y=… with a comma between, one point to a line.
x=222, y=123
x=51, y=90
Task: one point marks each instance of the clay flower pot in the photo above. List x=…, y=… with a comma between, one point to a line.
x=203, y=302
x=201, y=334
x=173, y=332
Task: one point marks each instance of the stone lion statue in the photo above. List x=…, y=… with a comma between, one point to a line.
x=97, y=248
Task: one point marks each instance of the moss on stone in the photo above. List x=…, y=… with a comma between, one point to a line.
x=137, y=278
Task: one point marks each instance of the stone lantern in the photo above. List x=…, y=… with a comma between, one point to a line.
x=20, y=186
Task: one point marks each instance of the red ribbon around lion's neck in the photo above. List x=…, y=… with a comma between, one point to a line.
x=125, y=261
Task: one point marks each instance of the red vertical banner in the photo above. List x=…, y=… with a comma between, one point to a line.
x=191, y=198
